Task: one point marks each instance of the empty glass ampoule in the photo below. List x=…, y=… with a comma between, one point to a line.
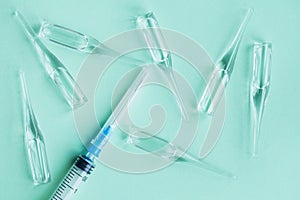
x=159, y=52
x=166, y=150
x=82, y=42
x=221, y=75
x=259, y=88
x=54, y=67
x=34, y=140
x=68, y=37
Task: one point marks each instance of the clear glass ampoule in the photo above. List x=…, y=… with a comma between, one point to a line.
x=166, y=150
x=221, y=75
x=160, y=53
x=54, y=67
x=81, y=42
x=68, y=37
x=34, y=140
x=259, y=88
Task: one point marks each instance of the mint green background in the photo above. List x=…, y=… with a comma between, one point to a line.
x=273, y=175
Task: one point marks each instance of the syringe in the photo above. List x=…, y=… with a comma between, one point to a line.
x=84, y=164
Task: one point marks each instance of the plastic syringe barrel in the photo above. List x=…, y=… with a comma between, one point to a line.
x=78, y=173
x=82, y=167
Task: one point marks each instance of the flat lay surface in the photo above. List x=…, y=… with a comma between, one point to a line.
x=273, y=174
